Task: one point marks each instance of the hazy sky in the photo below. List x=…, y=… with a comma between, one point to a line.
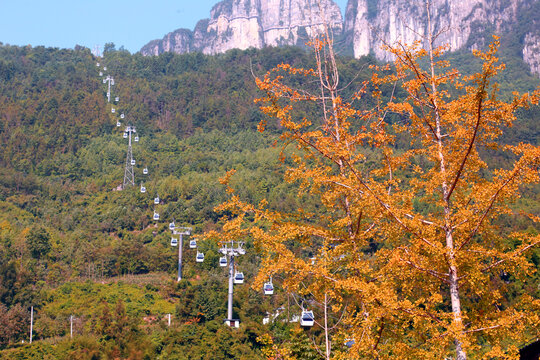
x=66, y=23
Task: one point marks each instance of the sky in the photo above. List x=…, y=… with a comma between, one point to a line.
x=66, y=23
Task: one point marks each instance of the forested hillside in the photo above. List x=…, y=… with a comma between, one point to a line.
x=72, y=244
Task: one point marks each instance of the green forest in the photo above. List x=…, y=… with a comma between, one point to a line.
x=98, y=271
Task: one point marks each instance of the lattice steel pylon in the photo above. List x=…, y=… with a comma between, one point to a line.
x=129, y=175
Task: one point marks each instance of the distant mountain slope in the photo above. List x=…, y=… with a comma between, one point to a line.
x=368, y=24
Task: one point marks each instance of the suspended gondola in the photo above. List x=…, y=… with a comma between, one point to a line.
x=239, y=278
x=307, y=319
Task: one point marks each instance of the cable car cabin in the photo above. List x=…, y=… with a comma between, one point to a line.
x=156, y=200
x=118, y=124
x=307, y=318
x=156, y=216
x=200, y=257
x=223, y=261
x=122, y=115
x=145, y=171
x=137, y=138
x=112, y=110
x=100, y=73
x=193, y=244
x=143, y=189
x=97, y=64
x=239, y=278
x=268, y=288
x=117, y=99
x=174, y=242
x=171, y=225
x=132, y=161
x=105, y=68
x=125, y=135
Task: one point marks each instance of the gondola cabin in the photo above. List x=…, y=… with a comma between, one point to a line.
x=156, y=216
x=143, y=189
x=200, y=257
x=239, y=278
x=118, y=124
x=105, y=68
x=223, y=261
x=193, y=244
x=171, y=225
x=268, y=289
x=122, y=116
x=145, y=171
x=100, y=73
x=156, y=200
x=174, y=242
x=307, y=318
x=136, y=138
x=132, y=161
x=125, y=135
x=117, y=99
x=113, y=111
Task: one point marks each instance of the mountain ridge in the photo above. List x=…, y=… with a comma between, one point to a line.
x=366, y=26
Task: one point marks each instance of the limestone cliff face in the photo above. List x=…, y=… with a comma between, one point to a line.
x=460, y=23
x=367, y=26
x=251, y=23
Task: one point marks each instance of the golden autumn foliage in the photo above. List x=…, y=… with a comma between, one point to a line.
x=408, y=257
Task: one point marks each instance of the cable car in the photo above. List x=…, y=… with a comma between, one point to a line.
x=137, y=138
x=156, y=200
x=200, y=257
x=307, y=318
x=113, y=110
x=223, y=261
x=100, y=73
x=125, y=135
x=268, y=288
x=97, y=64
x=171, y=225
x=143, y=189
x=122, y=115
x=156, y=216
x=193, y=244
x=174, y=241
x=105, y=68
x=145, y=171
x=241, y=251
x=132, y=161
x=117, y=99
x=239, y=278
x=105, y=81
x=118, y=124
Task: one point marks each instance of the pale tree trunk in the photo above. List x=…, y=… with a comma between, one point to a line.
x=326, y=334
x=450, y=248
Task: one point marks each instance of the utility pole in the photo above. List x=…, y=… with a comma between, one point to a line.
x=109, y=79
x=230, y=250
x=129, y=176
x=181, y=231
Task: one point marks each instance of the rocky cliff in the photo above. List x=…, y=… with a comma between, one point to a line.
x=368, y=24
x=251, y=23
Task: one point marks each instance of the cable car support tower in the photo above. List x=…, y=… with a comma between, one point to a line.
x=129, y=176
x=231, y=250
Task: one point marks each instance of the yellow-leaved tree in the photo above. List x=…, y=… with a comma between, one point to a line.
x=405, y=253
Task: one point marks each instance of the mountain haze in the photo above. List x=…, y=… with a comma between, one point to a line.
x=367, y=25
